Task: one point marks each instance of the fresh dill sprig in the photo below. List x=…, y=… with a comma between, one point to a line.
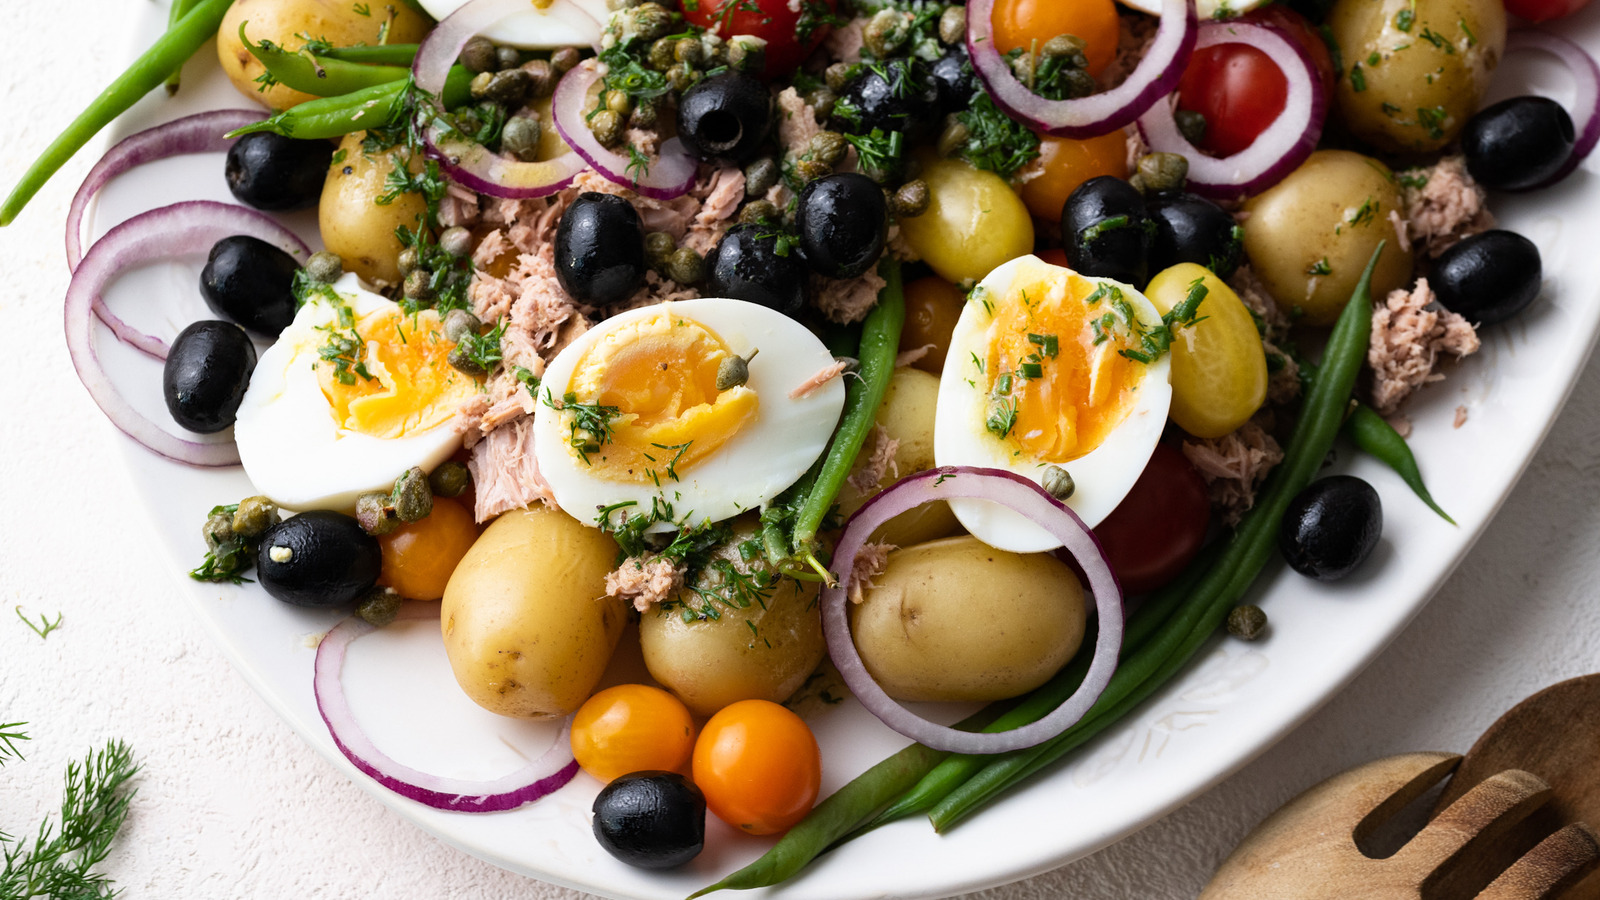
x=590, y=428
x=44, y=626
x=59, y=861
x=995, y=141
x=10, y=733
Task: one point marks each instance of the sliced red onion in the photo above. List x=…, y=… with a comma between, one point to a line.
x=188, y=227
x=670, y=173
x=1155, y=77
x=1013, y=492
x=1585, y=108
x=537, y=779
x=1279, y=149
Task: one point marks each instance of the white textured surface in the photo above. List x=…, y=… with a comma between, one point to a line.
x=232, y=804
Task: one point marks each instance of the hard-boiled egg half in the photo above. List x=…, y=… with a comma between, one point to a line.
x=631, y=420
x=1049, y=367
x=354, y=392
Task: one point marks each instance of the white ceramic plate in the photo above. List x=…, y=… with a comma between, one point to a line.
x=1230, y=705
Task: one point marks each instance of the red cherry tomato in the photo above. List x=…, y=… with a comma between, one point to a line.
x=1297, y=27
x=1544, y=10
x=791, y=30
x=1160, y=525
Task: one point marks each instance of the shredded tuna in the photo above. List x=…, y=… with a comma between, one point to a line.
x=1461, y=416
x=779, y=195
x=493, y=246
x=869, y=563
x=504, y=212
x=1400, y=424
x=1409, y=332
x=1283, y=378
x=1268, y=314
x=1445, y=207
x=1234, y=465
x=720, y=196
x=824, y=375
x=1134, y=35
x=458, y=206
x=505, y=475
x=797, y=120
x=469, y=419
x=847, y=300
x=646, y=580
x=541, y=307
x=844, y=42
x=1402, y=231
x=877, y=460
x=1137, y=147
x=912, y=356
x=491, y=297
x=645, y=140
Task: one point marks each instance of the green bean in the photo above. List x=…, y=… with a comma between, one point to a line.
x=374, y=107
x=1242, y=559
x=304, y=72
x=375, y=54
x=175, y=15
x=880, y=343
x=143, y=76
x=1377, y=438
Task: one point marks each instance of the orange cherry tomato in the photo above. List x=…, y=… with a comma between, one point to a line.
x=1064, y=164
x=932, y=307
x=419, y=556
x=1019, y=23
x=759, y=766
x=632, y=728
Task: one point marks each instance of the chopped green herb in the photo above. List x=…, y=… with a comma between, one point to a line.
x=1432, y=118
x=1358, y=81
x=1404, y=19
x=1438, y=40
x=590, y=428
x=60, y=861
x=995, y=141
x=1320, y=267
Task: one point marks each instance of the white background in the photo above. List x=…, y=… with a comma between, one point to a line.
x=232, y=804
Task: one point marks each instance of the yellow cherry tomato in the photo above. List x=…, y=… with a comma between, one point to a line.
x=974, y=222
x=419, y=556
x=632, y=728
x=759, y=766
x=1022, y=23
x=1064, y=164
x=1219, y=371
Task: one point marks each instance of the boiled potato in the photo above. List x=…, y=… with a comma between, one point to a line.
x=1418, y=68
x=906, y=415
x=526, y=620
x=283, y=22
x=1219, y=369
x=956, y=619
x=974, y=222
x=747, y=643
x=357, y=227
x=1310, y=235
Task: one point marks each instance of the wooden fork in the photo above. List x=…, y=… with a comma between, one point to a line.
x=1308, y=849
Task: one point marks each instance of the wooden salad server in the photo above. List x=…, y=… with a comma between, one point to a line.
x=1308, y=850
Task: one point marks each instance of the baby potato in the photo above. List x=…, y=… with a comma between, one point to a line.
x=1219, y=371
x=354, y=225
x=974, y=222
x=744, y=645
x=1310, y=235
x=906, y=415
x=286, y=22
x=958, y=620
x=1418, y=68
x=527, y=624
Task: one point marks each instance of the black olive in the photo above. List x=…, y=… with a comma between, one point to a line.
x=1517, y=143
x=1106, y=230
x=270, y=171
x=1489, y=277
x=843, y=222
x=724, y=118
x=1331, y=527
x=206, y=373
x=251, y=282
x=1191, y=229
x=600, y=256
x=759, y=264
x=954, y=79
x=318, y=558
x=894, y=95
x=653, y=820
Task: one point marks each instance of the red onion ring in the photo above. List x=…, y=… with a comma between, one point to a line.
x=188, y=227
x=1016, y=493
x=1585, y=91
x=537, y=779
x=1278, y=150
x=1155, y=77
x=469, y=163
x=670, y=174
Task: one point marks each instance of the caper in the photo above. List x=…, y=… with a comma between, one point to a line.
x=217, y=530
x=565, y=59
x=607, y=128
x=688, y=51
x=715, y=49
x=1058, y=483
x=663, y=54
x=479, y=85
x=953, y=25
x=408, y=261
x=651, y=21
x=375, y=514
x=507, y=57
x=658, y=247
x=760, y=176
x=324, y=266
x=829, y=147
x=255, y=515
x=520, y=137
x=1162, y=173
x=910, y=199
x=682, y=77
x=822, y=101
x=456, y=241
x=380, y=606
x=685, y=266
x=468, y=121
x=412, y=498
x=619, y=102
x=885, y=32
x=418, y=284
x=1247, y=622
x=954, y=136
x=478, y=55
x=1191, y=124
x=450, y=479
x=747, y=53
x=1022, y=68
x=734, y=371
x=811, y=169
x=757, y=212
x=1069, y=47
x=646, y=115
x=1077, y=83
x=541, y=78
x=463, y=362
x=458, y=323
x=837, y=75
x=507, y=88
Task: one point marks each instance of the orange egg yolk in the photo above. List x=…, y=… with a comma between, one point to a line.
x=388, y=376
x=1057, y=382
x=654, y=383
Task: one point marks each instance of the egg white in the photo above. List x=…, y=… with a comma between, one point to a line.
x=754, y=466
x=1102, y=477
x=291, y=447
x=572, y=23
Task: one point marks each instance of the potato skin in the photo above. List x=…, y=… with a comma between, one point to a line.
x=906, y=414
x=1310, y=235
x=527, y=624
x=353, y=224
x=282, y=21
x=957, y=620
